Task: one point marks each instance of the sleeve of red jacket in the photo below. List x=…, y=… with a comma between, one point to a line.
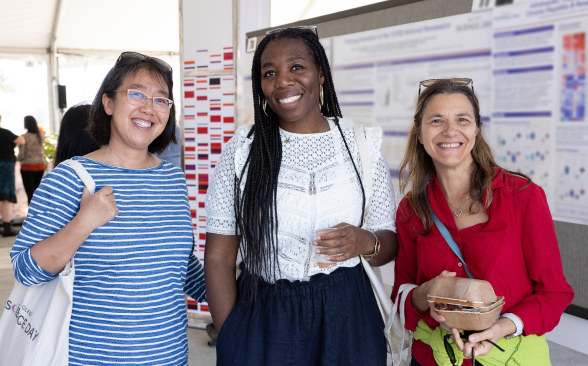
x=541, y=311
x=405, y=269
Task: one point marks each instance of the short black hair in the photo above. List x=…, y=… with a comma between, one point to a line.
x=73, y=139
x=99, y=121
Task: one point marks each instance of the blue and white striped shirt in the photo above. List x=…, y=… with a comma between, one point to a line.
x=128, y=299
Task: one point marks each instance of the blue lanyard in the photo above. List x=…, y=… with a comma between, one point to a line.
x=452, y=244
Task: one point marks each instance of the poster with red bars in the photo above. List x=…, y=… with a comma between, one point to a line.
x=208, y=125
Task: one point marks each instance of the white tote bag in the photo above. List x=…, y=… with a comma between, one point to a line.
x=398, y=338
x=34, y=327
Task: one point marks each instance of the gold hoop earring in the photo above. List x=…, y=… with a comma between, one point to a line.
x=264, y=105
x=321, y=96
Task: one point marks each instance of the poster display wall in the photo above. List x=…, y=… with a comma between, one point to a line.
x=539, y=99
x=208, y=100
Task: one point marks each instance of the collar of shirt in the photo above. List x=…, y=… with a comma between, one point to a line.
x=441, y=207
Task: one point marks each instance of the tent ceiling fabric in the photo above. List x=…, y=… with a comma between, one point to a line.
x=26, y=23
x=109, y=25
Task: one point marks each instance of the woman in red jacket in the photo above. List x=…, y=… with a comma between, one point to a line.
x=499, y=219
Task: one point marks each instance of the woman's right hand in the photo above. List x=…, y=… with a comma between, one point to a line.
x=438, y=318
x=97, y=209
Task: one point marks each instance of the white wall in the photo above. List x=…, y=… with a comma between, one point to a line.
x=287, y=11
x=254, y=15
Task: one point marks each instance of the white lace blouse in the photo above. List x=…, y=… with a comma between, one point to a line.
x=317, y=189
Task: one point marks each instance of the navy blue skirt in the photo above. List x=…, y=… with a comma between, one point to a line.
x=330, y=320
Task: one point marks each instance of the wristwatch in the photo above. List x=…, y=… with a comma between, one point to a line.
x=368, y=257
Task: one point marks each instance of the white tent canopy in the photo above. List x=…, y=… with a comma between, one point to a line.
x=89, y=26
x=46, y=28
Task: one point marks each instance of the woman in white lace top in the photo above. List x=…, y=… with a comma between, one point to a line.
x=294, y=172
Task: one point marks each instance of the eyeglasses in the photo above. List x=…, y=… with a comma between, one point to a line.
x=457, y=81
x=451, y=354
x=139, y=56
x=303, y=27
x=138, y=98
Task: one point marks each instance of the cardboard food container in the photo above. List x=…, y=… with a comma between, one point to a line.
x=466, y=304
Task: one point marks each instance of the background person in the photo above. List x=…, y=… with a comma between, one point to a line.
x=499, y=219
x=8, y=142
x=173, y=153
x=132, y=239
x=293, y=172
x=73, y=138
x=30, y=155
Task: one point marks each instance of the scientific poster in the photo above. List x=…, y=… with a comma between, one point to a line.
x=539, y=99
x=377, y=73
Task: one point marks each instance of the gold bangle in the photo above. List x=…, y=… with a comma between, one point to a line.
x=368, y=257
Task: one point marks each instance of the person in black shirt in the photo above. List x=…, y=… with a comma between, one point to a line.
x=8, y=142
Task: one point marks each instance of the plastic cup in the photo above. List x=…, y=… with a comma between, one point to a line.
x=321, y=259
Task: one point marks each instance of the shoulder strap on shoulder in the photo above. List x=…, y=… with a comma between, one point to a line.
x=452, y=244
x=364, y=154
x=366, y=165
x=83, y=174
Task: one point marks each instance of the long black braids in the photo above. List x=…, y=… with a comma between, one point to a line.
x=256, y=204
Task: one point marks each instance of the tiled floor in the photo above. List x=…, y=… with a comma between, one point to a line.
x=203, y=355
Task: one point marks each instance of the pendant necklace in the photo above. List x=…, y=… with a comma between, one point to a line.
x=458, y=212
x=320, y=127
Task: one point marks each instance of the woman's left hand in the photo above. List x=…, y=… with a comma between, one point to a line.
x=477, y=341
x=346, y=242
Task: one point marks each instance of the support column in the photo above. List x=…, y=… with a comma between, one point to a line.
x=51, y=92
x=55, y=113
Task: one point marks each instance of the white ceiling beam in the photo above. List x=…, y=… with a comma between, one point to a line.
x=55, y=28
x=82, y=52
x=23, y=50
x=55, y=113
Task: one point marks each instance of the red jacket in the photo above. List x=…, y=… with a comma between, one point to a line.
x=515, y=250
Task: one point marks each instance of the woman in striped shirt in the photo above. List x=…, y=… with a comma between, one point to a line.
x=132, y=239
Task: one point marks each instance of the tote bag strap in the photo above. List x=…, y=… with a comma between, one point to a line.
x=91, y=185
x=366, y=165
x=82, y=173
x=449, y=239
